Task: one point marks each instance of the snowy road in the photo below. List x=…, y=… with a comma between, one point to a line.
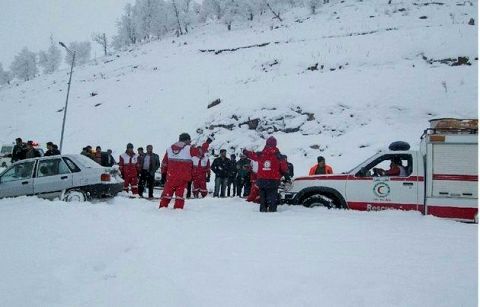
x=225, y=253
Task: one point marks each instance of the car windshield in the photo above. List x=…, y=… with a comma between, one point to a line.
x=86, y=162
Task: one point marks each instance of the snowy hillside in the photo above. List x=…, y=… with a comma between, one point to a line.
x=343, y=83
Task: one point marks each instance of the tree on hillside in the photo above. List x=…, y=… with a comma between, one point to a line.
x=126, y=34
x=50, y=59
x=5, y=76
x=313, y=5
x=274, y=7
x=82, y=52
x=24, y=66
x=101, y=39
x=212, y=8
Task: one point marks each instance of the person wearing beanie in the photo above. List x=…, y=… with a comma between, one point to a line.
x=177, y=167
x=271, y=168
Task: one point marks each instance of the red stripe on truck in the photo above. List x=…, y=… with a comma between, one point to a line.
x=353, y=178
x=453, y=212
x=451, y=177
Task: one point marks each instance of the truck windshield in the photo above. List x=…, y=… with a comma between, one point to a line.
x=363, y=163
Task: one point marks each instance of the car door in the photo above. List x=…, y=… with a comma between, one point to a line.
x=52, y=177
x=369, y=191
x=17, y=180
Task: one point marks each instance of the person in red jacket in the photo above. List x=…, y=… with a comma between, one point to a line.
x=177, y=169
x=272, y=166
x=201, y=172
x=128, y=164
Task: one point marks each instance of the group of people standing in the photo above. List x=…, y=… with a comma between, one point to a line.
x=28, y=150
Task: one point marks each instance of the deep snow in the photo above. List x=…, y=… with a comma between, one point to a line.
x=222, y=252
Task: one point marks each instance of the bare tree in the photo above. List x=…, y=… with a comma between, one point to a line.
x=177, y=16
x=101, y=39
x=275, y=14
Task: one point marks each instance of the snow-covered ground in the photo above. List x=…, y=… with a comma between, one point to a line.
x=224, y=253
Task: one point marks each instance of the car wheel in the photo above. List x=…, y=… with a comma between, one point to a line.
x=318, y=200
x=74, y=195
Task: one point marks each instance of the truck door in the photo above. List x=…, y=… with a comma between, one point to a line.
x=17, y=180
x=379, y=185
x=52, y=177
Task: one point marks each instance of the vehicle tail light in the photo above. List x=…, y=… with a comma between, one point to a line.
x=105, y=177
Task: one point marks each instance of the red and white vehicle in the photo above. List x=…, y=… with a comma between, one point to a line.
x=440, y=179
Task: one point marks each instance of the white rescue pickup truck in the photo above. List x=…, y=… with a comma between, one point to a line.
x=440, y=179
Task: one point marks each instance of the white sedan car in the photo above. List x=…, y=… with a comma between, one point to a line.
x=68, y=177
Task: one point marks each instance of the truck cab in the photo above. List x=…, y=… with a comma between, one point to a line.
x=438, y=179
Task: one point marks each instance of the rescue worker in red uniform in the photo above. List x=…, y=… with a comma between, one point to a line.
x=128, y=164
x=201, y=171
x=177, y=168
x=272, y=166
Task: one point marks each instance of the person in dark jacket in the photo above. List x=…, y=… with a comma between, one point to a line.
x=149, y=164
x=19, y=150
x=271, y=167
x=220, y=167
x=108, y=159
x=31, y=151
x=51, y=151
x=290, y=168
x=232, y=176
x=98, y=155
x=243, y=176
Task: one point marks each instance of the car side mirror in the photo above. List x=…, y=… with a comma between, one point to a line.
x=361, y=172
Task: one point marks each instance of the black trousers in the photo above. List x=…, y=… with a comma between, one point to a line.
x=149, y=179
x=231, y=185
x=243, y=184
x=268, y=194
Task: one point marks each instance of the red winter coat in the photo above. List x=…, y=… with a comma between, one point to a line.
x=177, y=163
x=271, y=164
x=128, y=164
x=201, y=166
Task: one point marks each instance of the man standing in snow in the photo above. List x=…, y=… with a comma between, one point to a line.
x=243, y=176
x=201, y=171
x=107, y=159
x=177, y=166
x=51, y=150
x=149, y=164
x=271, y=167
x=31, y=151
x=128, y=164
x=19, y=150
x=232, y=175
x=220, y=167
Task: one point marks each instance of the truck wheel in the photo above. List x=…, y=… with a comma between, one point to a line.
x=74, y=195
x=318, y=200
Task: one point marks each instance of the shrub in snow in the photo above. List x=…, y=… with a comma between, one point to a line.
x=50, y=59
x=24, y=66
x=5, y=76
